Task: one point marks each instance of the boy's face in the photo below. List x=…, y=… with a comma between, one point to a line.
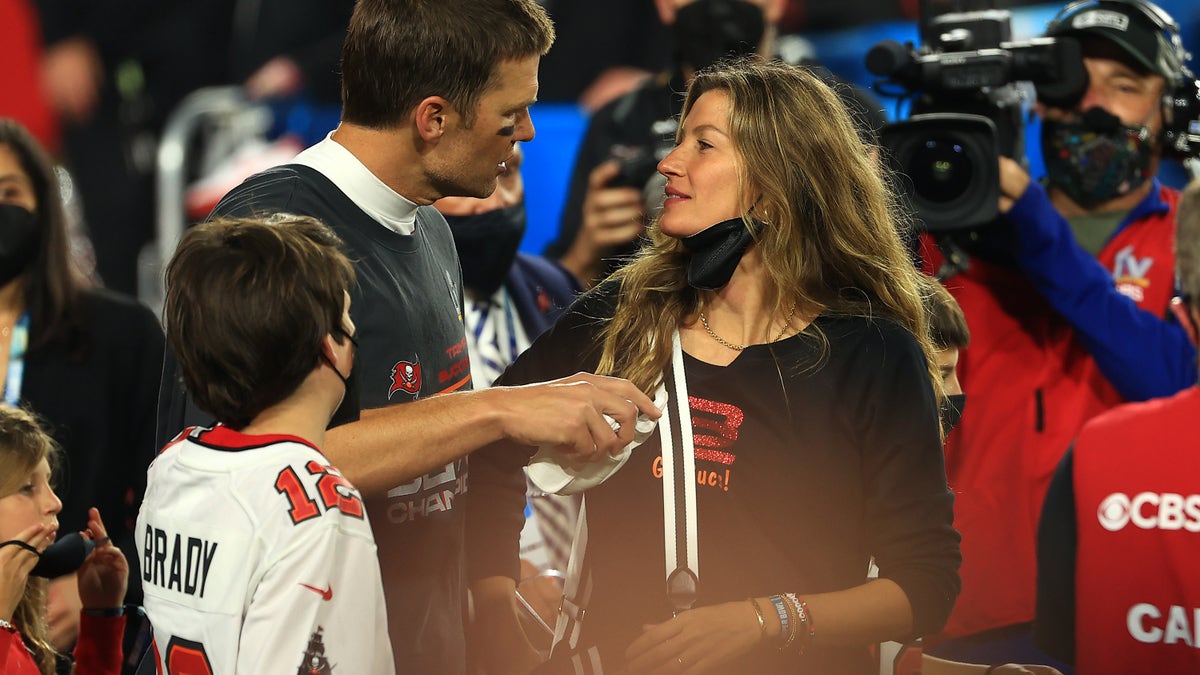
x=947, y=361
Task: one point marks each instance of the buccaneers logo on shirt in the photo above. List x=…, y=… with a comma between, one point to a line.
x=406, y=377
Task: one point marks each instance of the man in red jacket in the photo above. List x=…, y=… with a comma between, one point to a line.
x=1067, y=300
x=1119, y=538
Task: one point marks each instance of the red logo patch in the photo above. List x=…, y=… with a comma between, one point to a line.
x=406, y=377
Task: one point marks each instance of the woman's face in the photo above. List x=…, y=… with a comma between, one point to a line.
x=15, y=185
x=33, y=502
x=702, y=171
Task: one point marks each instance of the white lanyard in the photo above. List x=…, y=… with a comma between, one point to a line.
x=679, y=488
x=16, y=361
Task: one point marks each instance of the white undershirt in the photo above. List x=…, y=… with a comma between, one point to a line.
x=364, y=188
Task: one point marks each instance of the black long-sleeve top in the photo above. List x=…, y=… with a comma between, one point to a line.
x=813, y=456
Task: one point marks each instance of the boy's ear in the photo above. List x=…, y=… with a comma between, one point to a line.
x=1187, y=316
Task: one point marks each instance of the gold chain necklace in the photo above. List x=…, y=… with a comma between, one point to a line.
x=737, y=348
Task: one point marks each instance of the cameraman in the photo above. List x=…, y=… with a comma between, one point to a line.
x=606, y=207
x=1067, y=300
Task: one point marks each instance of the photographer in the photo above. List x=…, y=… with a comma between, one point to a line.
x=1067, y=298
x=607, y=201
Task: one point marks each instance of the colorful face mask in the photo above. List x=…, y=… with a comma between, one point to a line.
x=1094, y=158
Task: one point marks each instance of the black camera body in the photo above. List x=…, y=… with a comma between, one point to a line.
x=967, y=109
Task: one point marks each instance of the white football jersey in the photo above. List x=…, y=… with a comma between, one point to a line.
x=257, y=558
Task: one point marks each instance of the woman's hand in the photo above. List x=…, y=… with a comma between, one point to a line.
x=104, y=575
x=16, y=561
x=697, y=641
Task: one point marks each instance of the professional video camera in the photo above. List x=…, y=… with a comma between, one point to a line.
x=966, y=107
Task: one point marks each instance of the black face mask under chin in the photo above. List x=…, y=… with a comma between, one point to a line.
x=348, y=410
x=716, y=252
x=19, y=239
x=950, y=411
x=487, y=244
x=707, y=30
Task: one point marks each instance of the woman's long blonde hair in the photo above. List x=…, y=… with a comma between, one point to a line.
x=832, y=240
x=23, y=445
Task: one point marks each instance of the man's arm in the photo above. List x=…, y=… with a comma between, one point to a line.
x=391, y=446
x=1144, y=356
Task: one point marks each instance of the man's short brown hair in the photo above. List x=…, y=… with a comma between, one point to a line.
x=398, y=52
x=248, y=303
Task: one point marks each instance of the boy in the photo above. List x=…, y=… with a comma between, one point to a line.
x=257, y=556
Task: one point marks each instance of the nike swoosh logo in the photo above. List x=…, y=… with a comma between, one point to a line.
x=325, y=593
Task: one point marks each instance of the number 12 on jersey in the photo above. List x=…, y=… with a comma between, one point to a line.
x=333, y=492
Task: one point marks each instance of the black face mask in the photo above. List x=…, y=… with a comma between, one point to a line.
x=487, y=244
x=19, y=239
x=707, y=30
x=951, y=410
x=716, y=252
x=348, y=410
x=64, y=556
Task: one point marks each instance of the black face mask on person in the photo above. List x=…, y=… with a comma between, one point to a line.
x=950, y=411
x=487, y=244
x=707, y=30
x=716, y=252
x=348, y=410
x=19, y=239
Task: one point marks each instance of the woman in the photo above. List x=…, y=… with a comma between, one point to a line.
x=813, y=402
x=28, y=524
x=86, y=360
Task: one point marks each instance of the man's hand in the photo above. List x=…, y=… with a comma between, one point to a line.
x=1013, y=182
x=612, y=216
x=568, y=414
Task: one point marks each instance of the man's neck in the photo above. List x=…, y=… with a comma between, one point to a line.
x=392, y=155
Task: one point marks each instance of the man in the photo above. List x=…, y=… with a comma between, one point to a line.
x=435, y=95
x=1067, y=302
x=257, y=556
x=1118, y=533
x=613, y=187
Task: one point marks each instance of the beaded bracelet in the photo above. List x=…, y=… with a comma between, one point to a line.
x=784, y=615
x=789, y=600
x=762, y=621
x=804, y=622
x=106, y=612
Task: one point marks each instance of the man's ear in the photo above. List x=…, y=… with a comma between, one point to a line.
x=1187, y=316
x=432, y=118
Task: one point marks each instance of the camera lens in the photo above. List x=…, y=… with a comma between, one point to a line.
x=940, y=170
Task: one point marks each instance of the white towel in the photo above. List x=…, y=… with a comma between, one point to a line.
x=554, y=473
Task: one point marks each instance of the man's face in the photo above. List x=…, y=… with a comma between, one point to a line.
x=471, y=159
x=1120, y=89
